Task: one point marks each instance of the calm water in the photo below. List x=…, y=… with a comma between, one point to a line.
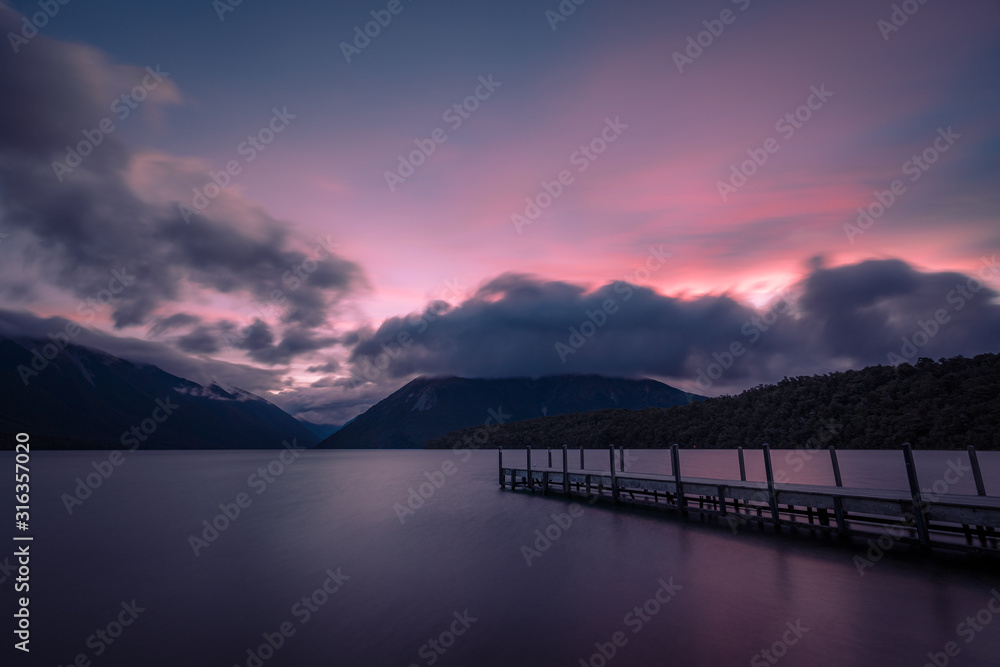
x=459, y=556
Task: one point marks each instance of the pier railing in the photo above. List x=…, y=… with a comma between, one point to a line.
x=952, y=521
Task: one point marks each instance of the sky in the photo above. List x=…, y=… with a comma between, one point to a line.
x=715, y=195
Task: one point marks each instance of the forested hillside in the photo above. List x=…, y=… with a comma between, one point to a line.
x=932, y=405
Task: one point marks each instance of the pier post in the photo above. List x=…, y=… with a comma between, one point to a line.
x=550, y=457
x=503, y=482
x=614, y=484
x=918, y=503
x=836, y=465
x=743, y=468
x=531, y=485
x=675, y=467
x=980, y=487
x=565, y=470
x=581, y=458
x=621, y=459
x=772, y=496
x=838, y=502
x=976, y=472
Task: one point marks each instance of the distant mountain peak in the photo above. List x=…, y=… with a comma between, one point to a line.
x=86, y=398
x=430, y=407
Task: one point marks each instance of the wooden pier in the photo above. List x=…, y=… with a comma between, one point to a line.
x=954, y=522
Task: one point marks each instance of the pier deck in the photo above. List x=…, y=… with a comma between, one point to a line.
x=928, y=521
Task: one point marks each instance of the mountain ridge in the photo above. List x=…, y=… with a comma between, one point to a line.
x=430, y=407
x=948, y=404
x=85, y=398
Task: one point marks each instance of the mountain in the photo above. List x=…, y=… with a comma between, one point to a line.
x=88, y=399
x=428, y=408
x=948, y=404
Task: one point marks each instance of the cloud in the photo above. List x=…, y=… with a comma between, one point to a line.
x=118, y=209
x=841, y=317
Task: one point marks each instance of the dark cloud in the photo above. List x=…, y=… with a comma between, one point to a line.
x=847, y=316
x=331, y=366
x=118, y=210
x=171, y=322
x=202, y=340
x=259, y=342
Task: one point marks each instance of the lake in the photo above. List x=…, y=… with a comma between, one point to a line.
x=330, y=558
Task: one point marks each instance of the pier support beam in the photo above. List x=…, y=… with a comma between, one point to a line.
x=838, y=502
x=581, y=458
x=976, y=472
x=836, y=466
x=614, y=481
x=980, y=487
x=503, y=482
x=621, y=459
x=675, y=467
x=531, y=484
x=919, y=518
x=565, y=470
x=772, y=497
